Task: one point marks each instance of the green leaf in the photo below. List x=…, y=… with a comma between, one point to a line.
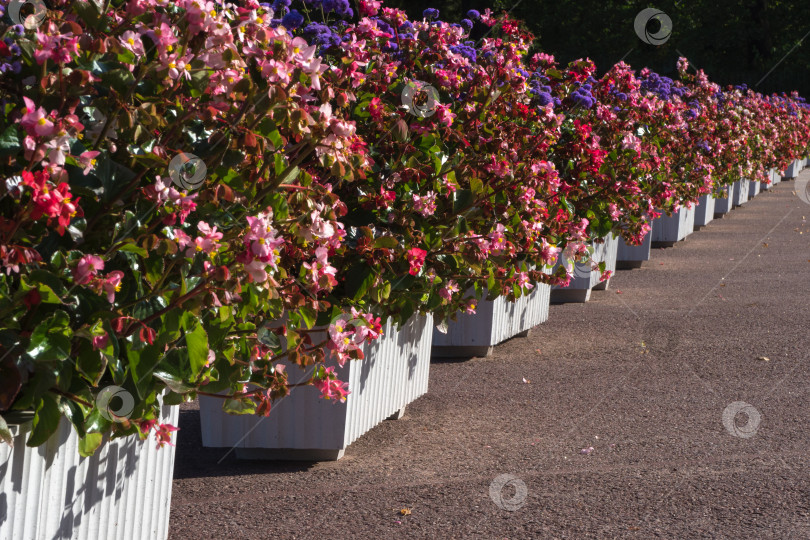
x=386, y=242
x=89, y=444
x=143, y=363
x=46, y=421
x=358, y=279
x=462, y=199
x=309, y=316
x=197, y=344
x=46, y=294
x=10, y=143
x=51, y=339
x=133, y=248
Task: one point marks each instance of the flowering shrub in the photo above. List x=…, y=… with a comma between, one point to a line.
x=192, y=191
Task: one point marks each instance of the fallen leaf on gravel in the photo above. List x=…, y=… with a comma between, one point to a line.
x=765, y=244
x=538, y=351
x=722, y=284
x=618, y=291
x=586, y=451
x=405, y=511
x=764, y=358
x=525, y=381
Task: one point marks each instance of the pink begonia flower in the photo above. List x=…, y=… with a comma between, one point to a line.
x=112, y=284
x=58, y=148
x=163, y=435
x=425, y=205
x=470, y=306
x=88, y=160
x=369, y=8
x=88, y=267
x=322, y=274
x=321, y=228
x=101, y=342
x=331, y=388
x=613, y=210
x=35, y=121
x=257, y=271
x=631, y=142
x=449, y=290
x=497, y=238
x=548, y=253
x=415, y=258
x=523, y=280
x=275, y=71
x=132, y=42
x=445, y=115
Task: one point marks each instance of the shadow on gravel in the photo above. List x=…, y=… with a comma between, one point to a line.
x=194, y=461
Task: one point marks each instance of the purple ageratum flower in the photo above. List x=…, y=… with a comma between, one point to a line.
x=467, y=24
x=292, y=20
x=430, y=13
x=465, y=51
x=280, y=6
x=473, y=14
x=544, y=98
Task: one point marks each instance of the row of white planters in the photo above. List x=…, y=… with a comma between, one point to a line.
x=585, y=278
x=50, y=492
x=668, y=230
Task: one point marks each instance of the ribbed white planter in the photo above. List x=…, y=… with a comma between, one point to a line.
x=775, y=176
x=723, y=205
x=792, y=171
x=667, y=230
x=704, y=211
x=493, y=322
x=753, y=189
x=585, y=279
x=628, y=256
x=741, y=191
x=121, y=492
x=303, y=426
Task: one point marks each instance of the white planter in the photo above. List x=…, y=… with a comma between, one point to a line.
x=585, y=279
x=704, y=211
x=303, y=426
x=775, y=176
x=628, y=256
x=741, y=191
x=723, y=205
x=493, y=322
x=123, y=491
x=753, y=189
x=667, y=230
x=792, y=171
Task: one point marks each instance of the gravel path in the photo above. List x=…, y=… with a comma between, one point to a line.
x=642, y=374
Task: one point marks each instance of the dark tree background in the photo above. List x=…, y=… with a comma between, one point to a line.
x=734, y=42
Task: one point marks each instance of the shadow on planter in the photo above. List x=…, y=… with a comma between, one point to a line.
x=495, y=321
x=305, y=427
x=122, y=491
